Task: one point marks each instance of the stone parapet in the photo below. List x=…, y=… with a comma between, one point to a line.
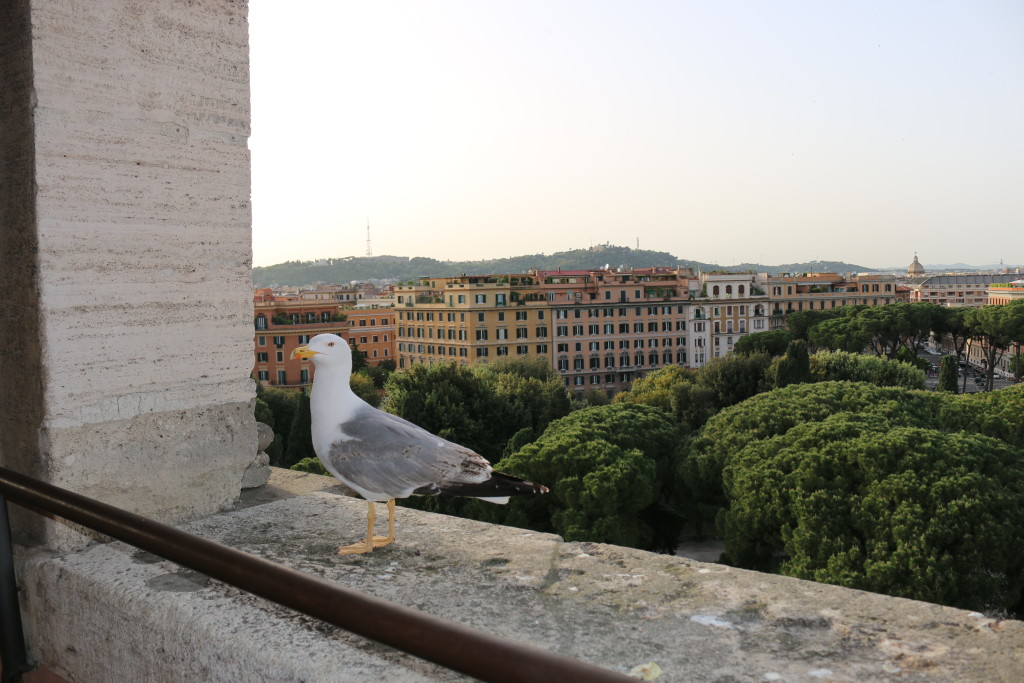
x=111, y=612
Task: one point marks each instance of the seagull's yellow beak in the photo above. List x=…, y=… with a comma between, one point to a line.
x=303, y=352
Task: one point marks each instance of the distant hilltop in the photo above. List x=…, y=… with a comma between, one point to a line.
x=404, y=268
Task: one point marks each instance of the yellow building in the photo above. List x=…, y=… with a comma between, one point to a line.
x=820, y=291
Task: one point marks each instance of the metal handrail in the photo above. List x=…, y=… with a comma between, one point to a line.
x=443, y=642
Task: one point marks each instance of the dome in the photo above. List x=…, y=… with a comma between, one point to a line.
x=915, y=268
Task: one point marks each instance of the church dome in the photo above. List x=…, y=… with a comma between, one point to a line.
x=915, y=268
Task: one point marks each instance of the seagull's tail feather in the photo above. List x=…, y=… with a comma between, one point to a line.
x=497, y=489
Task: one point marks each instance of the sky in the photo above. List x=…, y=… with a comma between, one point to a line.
x=722, y=132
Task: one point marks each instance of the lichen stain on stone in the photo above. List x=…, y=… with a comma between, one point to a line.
x=178, y=582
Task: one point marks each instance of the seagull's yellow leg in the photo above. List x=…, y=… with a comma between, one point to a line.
x=372, y=541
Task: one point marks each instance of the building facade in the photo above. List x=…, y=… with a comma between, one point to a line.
x=597, y=329
x=820, y=291
x=956, y=290
x=372, y=331
x=283, y=322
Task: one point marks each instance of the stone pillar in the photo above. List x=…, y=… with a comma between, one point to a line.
x=125, y=253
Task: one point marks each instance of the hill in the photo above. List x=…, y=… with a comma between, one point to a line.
x=404, y=268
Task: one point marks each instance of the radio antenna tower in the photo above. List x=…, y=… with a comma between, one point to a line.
x=369, y=251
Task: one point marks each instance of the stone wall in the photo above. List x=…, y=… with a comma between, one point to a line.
x=127, y=248
x=112, y=612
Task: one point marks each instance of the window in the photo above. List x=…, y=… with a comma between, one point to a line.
x=521, y=333
x=501, y=333
x=304, y=376
x=264, y=376
x=261, y=322
x=262, y=341
x=282, y=378
x=561, y=331
x=562, y=348
x=278, y=342
x=501, y=316
x=481, y=299
x=480, y=317
x=303, y=338
x=522, y=350
x=362, y=322
x=502, y=351
x=542, y=331
x=261, y=357
x=520, y=315
x=481, y=335
x=542, y=348
x=482, y=351
x=280, y=356
x=462, y=298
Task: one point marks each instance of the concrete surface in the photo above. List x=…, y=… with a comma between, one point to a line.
x=113, y=613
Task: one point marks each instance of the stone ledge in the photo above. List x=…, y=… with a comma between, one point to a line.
x=111, y=612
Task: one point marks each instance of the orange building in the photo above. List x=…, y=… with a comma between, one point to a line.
x=283, y=322
x=372, y=331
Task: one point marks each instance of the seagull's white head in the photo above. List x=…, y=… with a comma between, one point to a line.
x=326, y=351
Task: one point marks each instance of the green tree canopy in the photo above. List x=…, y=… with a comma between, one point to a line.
x=948, y=374
x=282, y=404
x=452, y=402
x=608, y=468
x=792, y=368
x=300, y=437
x=867, y=503
x=830, y=366
x=734, y=378
x=655, y=389
x=772, y=342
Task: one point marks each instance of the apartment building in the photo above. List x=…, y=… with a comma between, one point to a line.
x=471, y=318
x=789, y=293
x=598, y=329
x=283, y=322
x=372, y=331
x=956, y=290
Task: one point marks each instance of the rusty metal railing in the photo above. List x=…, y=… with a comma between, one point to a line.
x=443, y=642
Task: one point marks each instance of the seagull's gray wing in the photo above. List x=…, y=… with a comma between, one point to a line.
x=385, y=454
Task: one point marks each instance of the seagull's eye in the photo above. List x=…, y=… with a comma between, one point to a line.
x=330, y=343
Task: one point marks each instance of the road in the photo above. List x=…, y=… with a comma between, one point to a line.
x=932, y=380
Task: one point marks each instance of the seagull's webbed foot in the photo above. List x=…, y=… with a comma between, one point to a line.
x=372, y=541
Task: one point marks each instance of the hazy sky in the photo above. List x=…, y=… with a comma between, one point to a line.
x=718, y=131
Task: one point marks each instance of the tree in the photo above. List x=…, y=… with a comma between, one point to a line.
x=947, y=374
x=952, y=328
x=608, y=468
x=358, y=357
x=995, y=328
x=655, y=389
x=364, y=387
x=526, y=367
x=864, y=503
x=1016, y=366
x=792, y=368
x=282, y=403
x=831, y=366
x=774, y=413
x=772, y=342
x=840, y=334
x=596, y=397
x=300, y=437
x=451, y=401
x=732, y=378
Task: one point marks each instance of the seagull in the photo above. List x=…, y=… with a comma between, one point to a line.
x=383, y=457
